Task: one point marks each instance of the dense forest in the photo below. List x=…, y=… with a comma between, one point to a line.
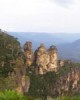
x=19, y=74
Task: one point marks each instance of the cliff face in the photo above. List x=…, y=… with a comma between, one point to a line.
x=44, y=60
x=69, y=81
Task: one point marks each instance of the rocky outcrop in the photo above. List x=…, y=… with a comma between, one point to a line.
x=42, y=59
x=69, y=78
x=61, y=63
x=21, y=80
x=28, y=53
x=52, y=65
x=46, y=60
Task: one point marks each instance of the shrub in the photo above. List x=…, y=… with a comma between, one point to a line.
x=12, y=95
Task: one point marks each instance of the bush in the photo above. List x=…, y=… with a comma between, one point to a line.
x=12, y=95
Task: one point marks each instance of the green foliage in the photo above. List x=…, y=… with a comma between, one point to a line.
x=50, y=77
x=9, y=48
x=12, y=95
x=51, y=83
x=36, y=88
x=68, y=68
x=7, y=83
x=41, y=84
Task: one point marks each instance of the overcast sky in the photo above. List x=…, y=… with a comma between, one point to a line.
x=52, y=16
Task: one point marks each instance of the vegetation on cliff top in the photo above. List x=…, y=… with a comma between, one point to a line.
x=9, y=48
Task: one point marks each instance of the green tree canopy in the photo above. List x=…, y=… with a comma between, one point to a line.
x=9, y=49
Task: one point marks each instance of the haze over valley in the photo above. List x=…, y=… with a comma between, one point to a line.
x=68, y=45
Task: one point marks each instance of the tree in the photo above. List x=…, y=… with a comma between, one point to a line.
x=42, y=85
x=9, y=49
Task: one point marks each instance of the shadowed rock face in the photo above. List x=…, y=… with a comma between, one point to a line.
x=21, y=80
x=28, y=53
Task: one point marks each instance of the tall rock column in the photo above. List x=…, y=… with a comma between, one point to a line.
x=52, y=66
x=41, y=59
x=28, y=53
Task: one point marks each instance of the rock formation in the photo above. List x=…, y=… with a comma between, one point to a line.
x=69, y=78
x=45, y=60
x=42, y=59
x=28, y=53
x=22, y=81
x=52, y=66
x=61, y=63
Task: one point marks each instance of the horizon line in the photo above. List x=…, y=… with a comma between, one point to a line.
x=44, y=32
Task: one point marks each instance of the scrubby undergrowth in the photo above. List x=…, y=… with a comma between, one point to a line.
x=12, y=95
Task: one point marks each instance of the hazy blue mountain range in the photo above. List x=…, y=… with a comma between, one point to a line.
x=38, y=37
x=70, y=51
x=68, y=44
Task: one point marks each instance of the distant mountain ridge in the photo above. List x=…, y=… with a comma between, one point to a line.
x=70, y=51
x=68, y=44
x=37, y=38
x=56, y=38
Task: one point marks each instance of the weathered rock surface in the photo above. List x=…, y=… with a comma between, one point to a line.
x=41, y=59
x=28, y=53
x=46, y=60
x=52, y=66
x=69, y=78
x=61, y=63
x=22, y=81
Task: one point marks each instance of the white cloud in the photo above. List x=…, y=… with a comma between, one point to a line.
x=39, y=15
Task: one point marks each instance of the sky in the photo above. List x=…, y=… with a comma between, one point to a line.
x=52, y=16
